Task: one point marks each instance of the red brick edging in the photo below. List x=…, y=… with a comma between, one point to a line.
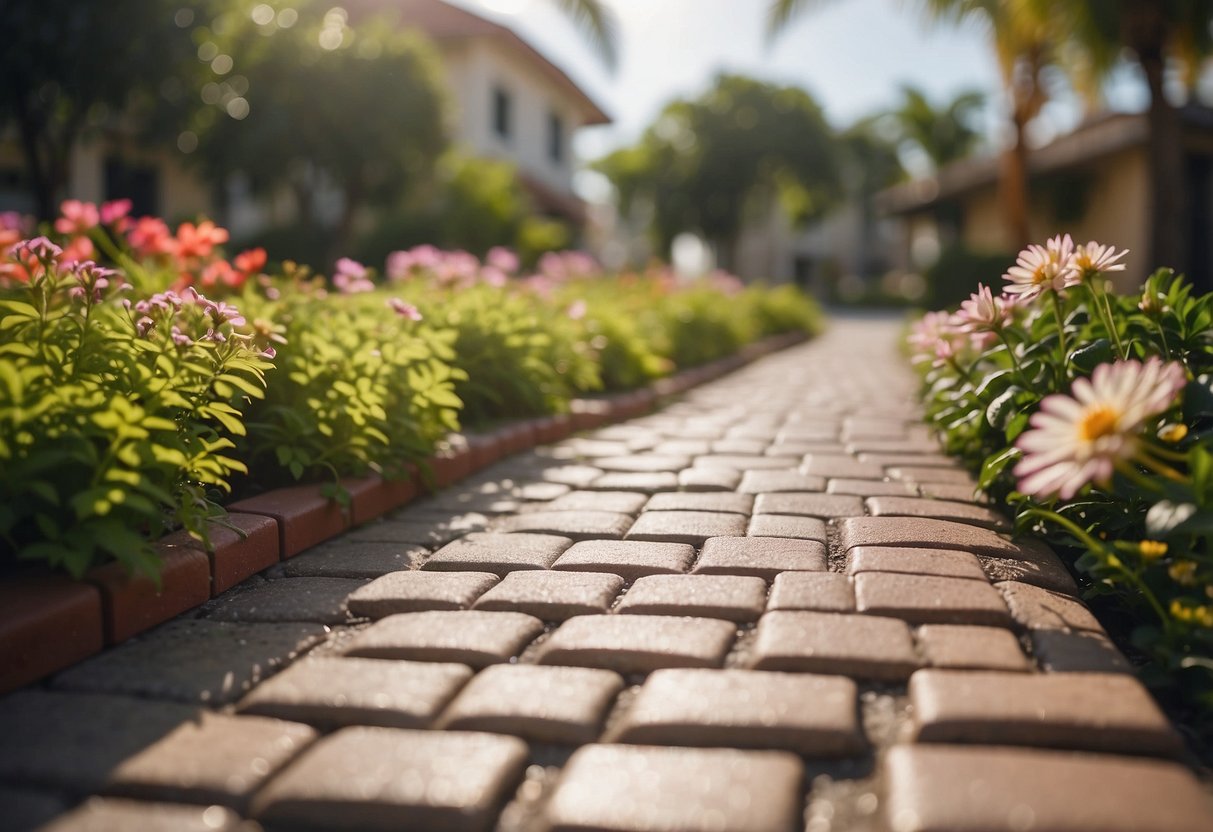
x=48, y=623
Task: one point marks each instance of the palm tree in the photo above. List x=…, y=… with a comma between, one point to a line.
x=944, y=133
x=597, y=26
x=1020, y=36
x=1156, y=33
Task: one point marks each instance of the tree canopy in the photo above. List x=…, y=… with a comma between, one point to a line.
x=710, y=163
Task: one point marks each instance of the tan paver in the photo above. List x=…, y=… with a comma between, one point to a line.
x=733, y=598
x=553, y=596
x=861, y=646
x=331, y=691
x=961, y=512
x=1039, y=609
x=825, y=506
x=739, y=445
x=392, y=779
x=641, y=483
x=945, y=563
x=714, y=501
x=693, y=527
x=708, y=479
x=1011, y=790
x=1080, y=711
x=558, y=705
x=643, y=789
x=630, y=559
x=870, y=488
x=816, y=591
x=747, y=462
x=762, y=557
x=784, y=525
x=106, y=814
x=841, y=465
x=644, y=463
x=498, y=553
x=960, y=647
x=398, y=592
x=928, y=599
x=469, y=637
x=924, y=474
x=216, y=759
x=765, y=482
x=817, y=716
x=926, y=533
x=623, y=502
x=638, y=643
x=575, y=525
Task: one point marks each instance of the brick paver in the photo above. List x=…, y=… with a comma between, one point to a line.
x=733, y=598
x=348, y=691
x=836, y=603
x=817, y=716
x=558, y=705
x=663, y=789
x=386, y=778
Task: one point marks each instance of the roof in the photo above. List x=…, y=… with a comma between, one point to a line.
x=444, y=22
x=1093, y=140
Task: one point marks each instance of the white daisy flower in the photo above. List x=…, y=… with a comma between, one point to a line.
x=1041, y=268
x=1093, y=259
x=983, y=312
x=1080, y=438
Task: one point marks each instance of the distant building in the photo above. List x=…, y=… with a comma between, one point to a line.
x=1092, y=183
x=509, y=102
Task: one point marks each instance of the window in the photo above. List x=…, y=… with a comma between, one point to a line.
x=501, y=112
x=555, y=138
x=138, y=183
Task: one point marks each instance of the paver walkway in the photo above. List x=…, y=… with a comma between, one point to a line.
x=770, y=606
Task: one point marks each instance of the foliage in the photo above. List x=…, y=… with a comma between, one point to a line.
x=709, y=164
x=953, y=277
x=943, y=133
x=115, y=419
x=1091, y=414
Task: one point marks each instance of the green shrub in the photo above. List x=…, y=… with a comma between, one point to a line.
x=114, y=422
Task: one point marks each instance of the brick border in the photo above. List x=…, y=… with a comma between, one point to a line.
x=69, y=621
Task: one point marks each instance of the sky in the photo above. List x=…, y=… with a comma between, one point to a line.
x=853, y=56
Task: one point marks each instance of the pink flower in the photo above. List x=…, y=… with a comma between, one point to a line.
x=351, y=277
x=492, y=276
x=250, y=262
x=77, y=249
x=576, y=310
x=399, y=266
x=39, y=248
x=936, y=337
x=404, y=310
x=1040, y=269
x=150, y=236
x=1094, y=259
x=199, y=240
x=76, y=217
x=503, y=259
x=1081, y=438
x=983, y=312
x=115, y=213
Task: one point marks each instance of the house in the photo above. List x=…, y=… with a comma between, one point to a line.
x=510, y=103
x=1092, y=183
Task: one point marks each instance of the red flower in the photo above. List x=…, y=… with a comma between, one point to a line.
x=199, y=240
x=151, y=236
x=76, y=217
x=250, y=262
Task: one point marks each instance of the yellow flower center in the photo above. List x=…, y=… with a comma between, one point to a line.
x=1098, y=422
x=1040, y=276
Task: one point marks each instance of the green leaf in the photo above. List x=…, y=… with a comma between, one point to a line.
x=1000, y=411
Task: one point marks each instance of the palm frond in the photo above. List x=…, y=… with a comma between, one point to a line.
x=781, y=13
x=597, y=25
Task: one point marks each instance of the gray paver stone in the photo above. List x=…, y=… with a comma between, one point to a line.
x=211, y=662
x=575, y=525
x=708, y=479
x=332, y=691
x=693, y=527
x=1039, y=609
x=322, y=600
x=945, y=563
x=343, y=558
x=1077, y=651
x=959, y=647
x=392, y=779
x=805, y=504
x=785, y=525
x=929, y=599
x=107, y=814
x=623, y=502
x=641, y=789
x=557, y=705
x=762, y=557
x=718, y=501
x=553, y=596
x=418, y=591
x=469, y=637
x=641, y=483
x=216, y=759
x=644, y=463
x=817, y=716
x=765, y=482
x=841, y=465
x=961, y=512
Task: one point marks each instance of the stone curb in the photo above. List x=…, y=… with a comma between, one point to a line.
x=48, y=622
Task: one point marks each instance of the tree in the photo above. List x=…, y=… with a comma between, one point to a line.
x=319, y=106
x=942, y=133
x=1155, y=33
x=68, y=67
x=1023, y=42
x=597, y=25
x=710, y=164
